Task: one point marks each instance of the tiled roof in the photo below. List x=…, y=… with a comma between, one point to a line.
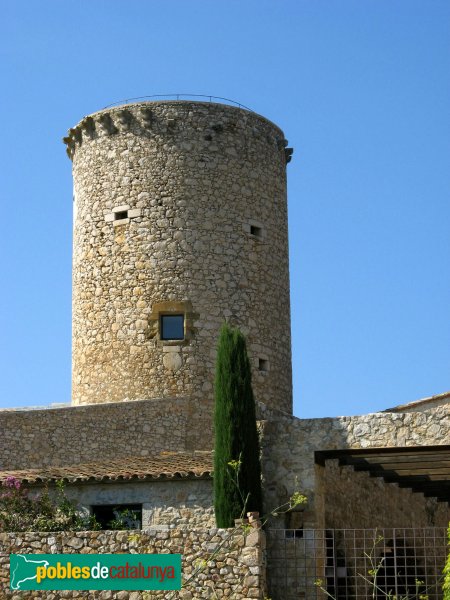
x=167, y=465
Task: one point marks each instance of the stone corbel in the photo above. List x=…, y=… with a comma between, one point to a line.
x=107, y=124
x=88, y=126
x=147, y=117
x=76, y=134
x=124, y=119
x=73, y=137
x=288, y=152
x=70, y=146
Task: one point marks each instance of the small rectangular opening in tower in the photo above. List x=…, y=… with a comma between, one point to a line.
x=256, y=231
x=263, y=364
x=123, y=214
x=172, y=327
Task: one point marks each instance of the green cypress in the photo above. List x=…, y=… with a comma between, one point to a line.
x=236, y=489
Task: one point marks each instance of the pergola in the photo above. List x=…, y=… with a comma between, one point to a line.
x=424, y=469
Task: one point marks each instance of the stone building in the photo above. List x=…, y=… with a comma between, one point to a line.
x=180, y=224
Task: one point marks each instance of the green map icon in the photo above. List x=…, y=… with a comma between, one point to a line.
x=23, y=569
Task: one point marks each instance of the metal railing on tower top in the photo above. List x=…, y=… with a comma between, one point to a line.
x=180, y=97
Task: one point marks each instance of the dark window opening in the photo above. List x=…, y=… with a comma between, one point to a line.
x=256, y=231
x=172, y=327
x=123, y=214
x=118, y=516
x=263, y=364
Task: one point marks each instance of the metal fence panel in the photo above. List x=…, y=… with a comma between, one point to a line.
x=350, y=564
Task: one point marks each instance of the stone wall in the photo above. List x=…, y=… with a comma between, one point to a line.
x=230, y=563
x=355, y=499
x=288, y=446
x=72, y=435
x=170, y=503
x=425, y=404
x=179, y=207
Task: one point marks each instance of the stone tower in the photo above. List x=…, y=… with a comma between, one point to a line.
x=180, y=224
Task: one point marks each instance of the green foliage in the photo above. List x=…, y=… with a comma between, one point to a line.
x=297, y=499
x=446, y=586
x=237, y=470
x=21, y=510
x=124, y=519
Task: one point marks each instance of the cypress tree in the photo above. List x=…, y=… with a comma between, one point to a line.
x=236, y=488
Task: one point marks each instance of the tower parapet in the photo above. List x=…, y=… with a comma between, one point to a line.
x=180, y=223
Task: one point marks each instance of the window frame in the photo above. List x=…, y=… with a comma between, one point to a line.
x=163, y=316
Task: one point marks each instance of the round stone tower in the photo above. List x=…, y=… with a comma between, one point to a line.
x=180, y=224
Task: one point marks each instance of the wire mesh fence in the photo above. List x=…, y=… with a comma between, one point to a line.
x=350, y=564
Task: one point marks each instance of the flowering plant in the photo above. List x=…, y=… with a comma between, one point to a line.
x=21, y=510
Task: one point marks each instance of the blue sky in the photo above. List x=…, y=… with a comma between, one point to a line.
x=361, y=89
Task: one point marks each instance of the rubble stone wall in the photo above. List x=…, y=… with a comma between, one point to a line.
x=72, y=435
x=354, y=499
x=288, y=446
x=229, y=563
x=170, y=503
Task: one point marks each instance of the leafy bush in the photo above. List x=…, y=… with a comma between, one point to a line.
x=125, y=519
x=21, y=510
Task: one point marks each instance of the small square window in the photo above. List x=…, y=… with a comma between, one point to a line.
x=172, y=327
x=123, y=214
x=263, y=365
x=256, y=231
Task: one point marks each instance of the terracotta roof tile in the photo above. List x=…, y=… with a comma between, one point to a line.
x=167, y=465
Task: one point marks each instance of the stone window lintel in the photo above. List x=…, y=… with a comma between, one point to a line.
x=121, y=208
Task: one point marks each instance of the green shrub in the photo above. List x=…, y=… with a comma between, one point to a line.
x=21, y=510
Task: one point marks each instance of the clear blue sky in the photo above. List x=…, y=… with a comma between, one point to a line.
x=361, y=89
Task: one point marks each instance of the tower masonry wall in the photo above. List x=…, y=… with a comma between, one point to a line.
x=179, y=208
